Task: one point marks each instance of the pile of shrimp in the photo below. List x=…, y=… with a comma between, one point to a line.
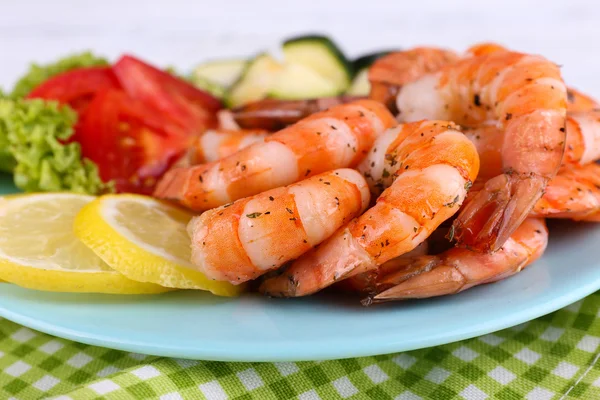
x=440, y=180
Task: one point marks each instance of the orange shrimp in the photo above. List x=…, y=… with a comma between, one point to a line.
x=485, y=48
x=361, y=283
x=574, y=194
x=273, y=114
x=337, y=138
x=390, y=72
x=580, y=102
x=459, y=269
x=433, y=165
x=214, y=145
x=582, y=142
x=525, y=97
x=251, y=236
x=576, y=101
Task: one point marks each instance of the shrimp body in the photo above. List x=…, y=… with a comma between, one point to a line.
x=582, y=142
x=272, y=114
x=576, y=100
x=459, y=269
x=525, y=97
x=244, y=240
x=580, y=102
x=389, y=73
x=337, y=138
x=433, y=165
x=214, y=145
x=574, y=193
x=485, y=48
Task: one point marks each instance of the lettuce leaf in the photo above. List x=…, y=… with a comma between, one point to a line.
x=34, y=132
x=39, y=73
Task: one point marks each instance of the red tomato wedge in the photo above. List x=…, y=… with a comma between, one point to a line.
x=76, y=87
x=191, y=108
x=130, y=143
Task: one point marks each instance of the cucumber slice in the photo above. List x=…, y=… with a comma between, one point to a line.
x=223, y=73
x=206, y=84
x=360, y=85
x=322, y=55
x=297, y=82
x=255, y=82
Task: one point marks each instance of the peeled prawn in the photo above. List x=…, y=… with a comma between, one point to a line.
x=390, y=72
x=214, y=145
x=525, y=97
x=245, y=239
x=576, y=101
x=337, y=138
x=459, y=269
x=574, y=193
x=485, y=48
x=431, y=165
x=582, y=142
x=362, y=283
x=272, y=114
x=580, y=102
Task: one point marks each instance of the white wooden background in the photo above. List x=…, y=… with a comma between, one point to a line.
x=183, y=32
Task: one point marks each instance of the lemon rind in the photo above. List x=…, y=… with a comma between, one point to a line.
x=53, y=280
x=135, y=262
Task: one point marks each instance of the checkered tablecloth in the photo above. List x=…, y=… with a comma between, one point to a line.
x=553, y=357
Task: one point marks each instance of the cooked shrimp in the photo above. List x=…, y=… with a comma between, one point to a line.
x=337, y=138
x=243, y=240
x=582, y=142
x=485, y=48
x=576, y=101
x=272, y=114
x=459, y=269
x=389, y=73
x=580, y=102
x=214, y=145
x=574, y=193
x=524, y=95
x=433, y=165
x=362, y=283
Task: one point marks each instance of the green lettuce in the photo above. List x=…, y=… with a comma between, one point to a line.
x=40, y=73
x=34, y=132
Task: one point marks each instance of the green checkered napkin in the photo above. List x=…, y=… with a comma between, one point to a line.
x=553, y=357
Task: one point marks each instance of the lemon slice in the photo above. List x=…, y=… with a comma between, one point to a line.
x=38, y=249
x=146, y=240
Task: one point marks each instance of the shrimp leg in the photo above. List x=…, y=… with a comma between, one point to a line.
x=337, y=138
x=459, y=269
x=429, y=167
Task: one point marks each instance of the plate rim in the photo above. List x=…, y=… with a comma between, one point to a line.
x=383, y=345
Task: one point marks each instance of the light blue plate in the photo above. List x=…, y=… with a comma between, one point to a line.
x=252, y=328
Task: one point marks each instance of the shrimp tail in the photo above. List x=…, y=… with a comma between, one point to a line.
x=491, y=217
x=408, y=282
x=174, y=184
x=459, y=269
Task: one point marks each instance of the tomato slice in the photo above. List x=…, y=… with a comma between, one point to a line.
x=76, y=87
x=191, y=108
x=128, y=141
